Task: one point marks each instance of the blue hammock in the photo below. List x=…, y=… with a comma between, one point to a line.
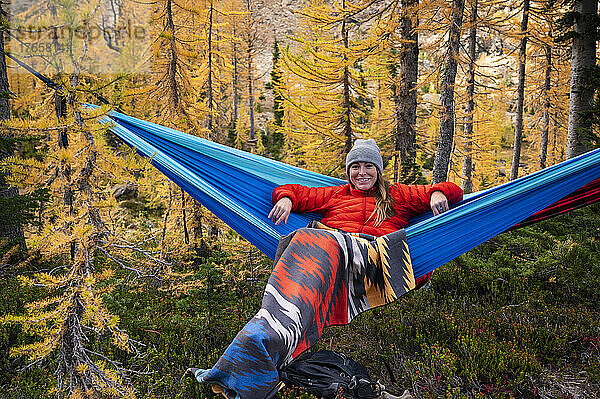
x=236, y=186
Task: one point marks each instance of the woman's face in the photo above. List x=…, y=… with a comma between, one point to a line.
x=363, y=175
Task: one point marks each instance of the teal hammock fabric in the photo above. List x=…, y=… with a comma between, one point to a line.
x=236, y=186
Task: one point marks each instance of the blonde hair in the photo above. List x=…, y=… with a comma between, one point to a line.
x=384, y=201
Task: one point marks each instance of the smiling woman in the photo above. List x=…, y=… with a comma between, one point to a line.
x=324, y=277
x=368, y=203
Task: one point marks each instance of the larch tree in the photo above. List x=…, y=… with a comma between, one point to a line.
x=547, y=99
x=545, y=91
x=4, y=88
x=346, y=95
x=10, y=229
x=172, y=57
x=467, y=164
x=447, y=114
x=190, y=60
x=226, y=27
x=174, y=94
x=583, y=63
x=478, y=73
x=405, y=95
x=211, y=74
x=235, y=84
x=276, y=85
x=250, y=41
x=324, y=82
x=73, y=314
x=72, y=323
x=516, y=159
x=210, y=66
x=218, y=76
x=389, y=61
x=235, y=19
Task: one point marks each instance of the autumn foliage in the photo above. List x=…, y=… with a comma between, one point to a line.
x=119, y=280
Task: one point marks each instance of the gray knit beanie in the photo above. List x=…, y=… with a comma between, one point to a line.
x=364, y=151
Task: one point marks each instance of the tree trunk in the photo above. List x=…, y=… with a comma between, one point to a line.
x=196, y=224
x=234, y=117
x=251, y=94
x=11, y=231
x=405, y=96
x=554, y=136
x=446, y=137
x=583, y=60
x=467, y=167
x=514, y=170
x=60, y=109
x=210, y=73
x=546, y=123
x=186, y=235
x=172, y=73
x=250, y=50
x=347, y=122
x=71, y=354
x=4, y=89
x=277, y=137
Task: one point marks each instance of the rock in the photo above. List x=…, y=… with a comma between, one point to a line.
x=431, y=98
x=124, y=192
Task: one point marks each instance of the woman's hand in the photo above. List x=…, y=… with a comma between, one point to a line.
x=281, y=210
x=438, y=202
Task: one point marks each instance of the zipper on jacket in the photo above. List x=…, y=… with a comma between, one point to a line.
x=364, y=213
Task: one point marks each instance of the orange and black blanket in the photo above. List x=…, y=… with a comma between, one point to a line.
x=322, y=277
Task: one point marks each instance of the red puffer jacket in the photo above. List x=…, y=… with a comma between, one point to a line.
x=351, y=210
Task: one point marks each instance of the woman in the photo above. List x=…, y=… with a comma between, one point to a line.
x=325, y=277
x=368, y=204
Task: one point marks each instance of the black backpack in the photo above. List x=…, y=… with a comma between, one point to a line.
x=325, y=374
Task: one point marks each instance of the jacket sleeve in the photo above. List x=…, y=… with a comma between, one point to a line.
x=417, y=197
x=305, y=199
x=450, y=190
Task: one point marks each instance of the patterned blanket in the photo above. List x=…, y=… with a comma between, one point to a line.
x=321, y=278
